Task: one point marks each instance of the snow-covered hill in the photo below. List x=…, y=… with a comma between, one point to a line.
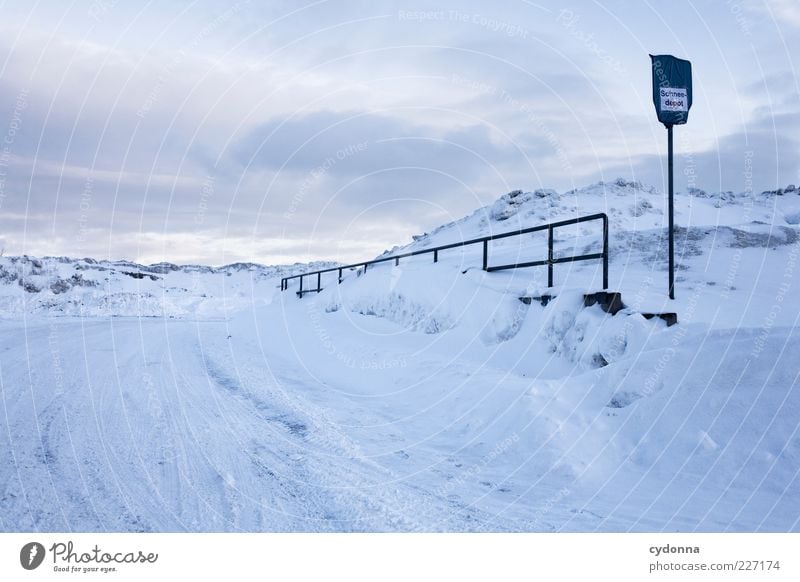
x=86, y=287
x=630, y=205
x=731, y=249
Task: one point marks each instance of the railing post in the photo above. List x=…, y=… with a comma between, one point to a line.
x=397, y=261
x=319, y=282
x=550, y=256
x=435, y=256
x=605, y=252
x=485, y=254
x=301, y=286
x=340, y=276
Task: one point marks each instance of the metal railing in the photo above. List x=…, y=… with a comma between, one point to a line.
x=550, y=261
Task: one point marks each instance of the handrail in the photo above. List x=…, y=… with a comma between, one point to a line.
x=550, y=261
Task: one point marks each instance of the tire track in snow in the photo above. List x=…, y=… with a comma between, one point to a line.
x=367, y=495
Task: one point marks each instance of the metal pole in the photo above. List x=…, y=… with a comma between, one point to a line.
x=340, y=276
x=605, y=252
x=550, y=256
x=319, y=282
x=671, y=217
x=435, y=256
x=485, y=255
x=301, y=286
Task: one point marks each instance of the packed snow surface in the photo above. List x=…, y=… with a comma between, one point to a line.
x=419, y=396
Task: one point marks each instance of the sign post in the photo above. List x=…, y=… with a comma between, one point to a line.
x=672, y=97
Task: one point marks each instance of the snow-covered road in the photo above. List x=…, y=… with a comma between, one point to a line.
x=151, y=424
x=166, y=425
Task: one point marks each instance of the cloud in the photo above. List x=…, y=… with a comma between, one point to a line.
x=766, y=147
x=787, y=11
x=164, y=129
x=361, y=142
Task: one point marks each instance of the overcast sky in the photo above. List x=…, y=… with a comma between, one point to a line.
x=214, y=132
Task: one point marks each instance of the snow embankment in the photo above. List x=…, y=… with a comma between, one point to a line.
x=641, y=424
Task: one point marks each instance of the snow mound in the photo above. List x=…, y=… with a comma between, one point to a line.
x=432, y=301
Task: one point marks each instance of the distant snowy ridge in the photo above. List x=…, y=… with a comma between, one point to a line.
x=87, y=287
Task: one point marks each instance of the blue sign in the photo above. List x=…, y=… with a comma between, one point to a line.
x=672, y=89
